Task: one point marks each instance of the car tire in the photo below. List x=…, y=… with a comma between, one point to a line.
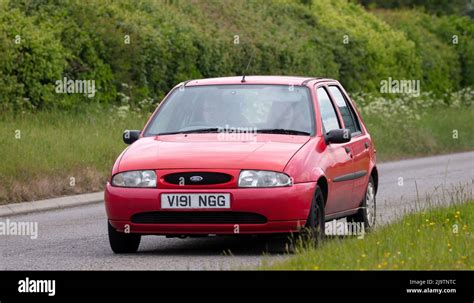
x=315, y=224
x=121, y=242
x=367, y=211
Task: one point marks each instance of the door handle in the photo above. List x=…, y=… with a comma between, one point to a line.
x=366, y=144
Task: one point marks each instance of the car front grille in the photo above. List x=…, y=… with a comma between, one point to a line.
x=197, y=178
x=198, y=217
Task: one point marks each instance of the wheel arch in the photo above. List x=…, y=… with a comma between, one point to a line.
x=323, y=185
x=375, y=176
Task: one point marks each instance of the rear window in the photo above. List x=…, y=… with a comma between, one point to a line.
x=347, y=112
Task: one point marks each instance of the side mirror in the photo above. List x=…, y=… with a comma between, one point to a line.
x=130, y=136
x=338, y=136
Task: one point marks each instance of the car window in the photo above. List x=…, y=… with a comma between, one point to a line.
x=348, y=115
x=328, y=113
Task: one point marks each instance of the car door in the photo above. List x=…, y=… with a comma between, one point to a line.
x=359, y=144
x=337, y=160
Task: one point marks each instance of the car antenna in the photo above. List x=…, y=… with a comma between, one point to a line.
x=246, y=69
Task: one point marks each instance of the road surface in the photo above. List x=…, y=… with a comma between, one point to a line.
x=76, y=238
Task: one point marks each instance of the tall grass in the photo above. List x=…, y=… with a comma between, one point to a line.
x=438, y=131
x=408, y=126
x=439, y=239
x=42, y=152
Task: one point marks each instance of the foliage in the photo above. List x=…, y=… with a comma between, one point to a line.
x=173, y=41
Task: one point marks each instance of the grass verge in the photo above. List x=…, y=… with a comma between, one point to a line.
x=49, y=154
x=437, y=239
x=439, y=130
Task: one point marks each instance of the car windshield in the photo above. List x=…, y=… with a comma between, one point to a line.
x=281, y=109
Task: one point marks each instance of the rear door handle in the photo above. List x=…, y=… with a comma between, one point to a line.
x=366, y=145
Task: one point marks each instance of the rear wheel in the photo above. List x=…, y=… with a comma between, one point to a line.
x=122, y=242
x=367, y=210
x=315, y=224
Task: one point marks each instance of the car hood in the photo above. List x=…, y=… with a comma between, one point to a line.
x=205, y=151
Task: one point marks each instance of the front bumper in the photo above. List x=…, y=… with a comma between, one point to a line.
x=285, y=208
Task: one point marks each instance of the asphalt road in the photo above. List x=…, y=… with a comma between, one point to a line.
x=76, y=238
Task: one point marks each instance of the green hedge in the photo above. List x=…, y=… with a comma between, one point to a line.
x=436, y=43
x=439, y=7
x=172, y=41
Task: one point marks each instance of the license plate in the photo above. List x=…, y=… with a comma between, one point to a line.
x=174, y=201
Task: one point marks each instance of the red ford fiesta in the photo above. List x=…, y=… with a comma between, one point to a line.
x=243, y=155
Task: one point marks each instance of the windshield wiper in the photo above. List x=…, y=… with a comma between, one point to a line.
x=198, y=130
x=283, y=131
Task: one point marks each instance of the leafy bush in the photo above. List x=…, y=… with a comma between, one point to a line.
x=31, y=57
x=173, y=41
x=440, y=7
x=444, y=44
x=374, y=51
x=450, y=28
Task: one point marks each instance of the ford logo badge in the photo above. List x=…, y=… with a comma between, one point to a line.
x=196, y=179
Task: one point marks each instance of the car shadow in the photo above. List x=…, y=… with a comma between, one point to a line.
x=218, y=245
x=271, y=245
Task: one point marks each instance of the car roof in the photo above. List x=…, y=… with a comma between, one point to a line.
x=276, y=80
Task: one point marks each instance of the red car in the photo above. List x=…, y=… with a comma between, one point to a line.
x=243, y=155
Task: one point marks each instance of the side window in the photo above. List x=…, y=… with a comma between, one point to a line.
x=347, y=112
x=328, y=113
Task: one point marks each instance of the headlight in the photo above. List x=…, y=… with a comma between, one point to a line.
x=136, y=178
x=263, y=178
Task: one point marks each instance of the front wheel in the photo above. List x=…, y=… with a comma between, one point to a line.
x=367, y=210
x=315, y=224
x=122, y=242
